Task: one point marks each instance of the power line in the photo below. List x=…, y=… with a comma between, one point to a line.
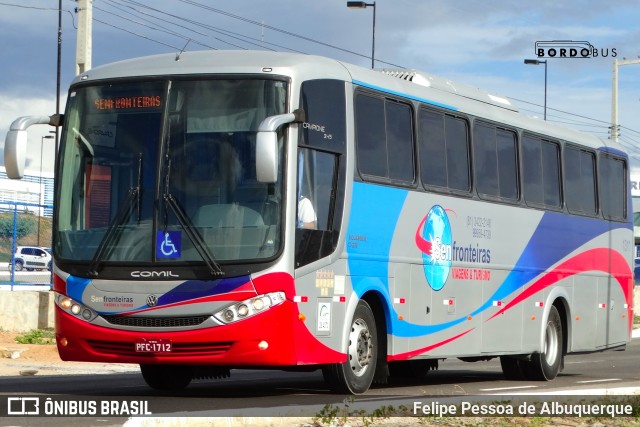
x=562, y=111
x=48, y=9
x=173, y=33
x=135, y=6
x=288, y=33
x=223, y=32
x=262, y=25
x=605, y=123
x=123, y=8
x=136, y=34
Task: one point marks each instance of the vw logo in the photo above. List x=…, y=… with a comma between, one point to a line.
x=152, y=300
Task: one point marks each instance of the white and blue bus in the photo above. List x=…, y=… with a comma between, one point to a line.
x=272, y=210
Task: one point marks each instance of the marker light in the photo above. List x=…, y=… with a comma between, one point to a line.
x=66, y=303
x=249, y=307
x=257, y=304
x=75, y=308
x=243, y=310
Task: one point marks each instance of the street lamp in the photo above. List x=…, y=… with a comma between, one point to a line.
x=364, y=5
x=538, y=62
x=40, y=199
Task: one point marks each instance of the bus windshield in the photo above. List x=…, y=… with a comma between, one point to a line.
x=163, y=171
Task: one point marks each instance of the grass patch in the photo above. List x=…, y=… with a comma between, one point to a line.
x=37, y=336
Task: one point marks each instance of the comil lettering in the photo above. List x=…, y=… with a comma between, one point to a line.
x=148, y=274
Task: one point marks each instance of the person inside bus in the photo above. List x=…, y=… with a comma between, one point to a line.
x=306, y=214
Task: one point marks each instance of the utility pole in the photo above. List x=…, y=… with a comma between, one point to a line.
x=615, y=131
x=83, y=40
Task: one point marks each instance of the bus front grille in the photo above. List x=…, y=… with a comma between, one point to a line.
x=155, y=322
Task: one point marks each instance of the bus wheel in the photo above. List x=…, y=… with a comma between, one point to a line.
x=356, y=374
x=167, y=377
x=544, y=366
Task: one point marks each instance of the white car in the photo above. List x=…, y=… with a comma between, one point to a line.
x=32, y=258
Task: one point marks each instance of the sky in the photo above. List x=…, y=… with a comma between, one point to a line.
x=478, y=43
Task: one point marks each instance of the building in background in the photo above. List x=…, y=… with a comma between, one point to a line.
x=31, y=190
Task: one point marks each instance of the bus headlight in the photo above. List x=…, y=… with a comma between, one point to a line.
x=249, y=307
x=75, y=308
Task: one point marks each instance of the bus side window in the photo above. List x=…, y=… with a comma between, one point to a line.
x=321, y=169
x=580, y=186
x=495, y=162
x=613, y=186
x=317, y=174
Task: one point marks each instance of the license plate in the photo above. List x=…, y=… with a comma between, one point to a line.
x=153, y=346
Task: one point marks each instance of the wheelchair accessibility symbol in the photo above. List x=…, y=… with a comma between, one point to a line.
x=169, y=244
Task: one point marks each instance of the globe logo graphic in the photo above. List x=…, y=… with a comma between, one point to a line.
x=433, y=238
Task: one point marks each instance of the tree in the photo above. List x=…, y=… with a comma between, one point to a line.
x=26, y=224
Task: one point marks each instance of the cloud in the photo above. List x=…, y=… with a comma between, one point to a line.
x=481, y=44
x=13, y=106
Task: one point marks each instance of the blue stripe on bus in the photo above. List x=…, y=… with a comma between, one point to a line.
x=370, y=257
x=76, y=287
x=193, y=289
x=188, y=290
x=404, y=95
x=369, y=260
x=611, y=150
x=538, y=256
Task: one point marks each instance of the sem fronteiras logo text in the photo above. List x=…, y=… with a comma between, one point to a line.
x=434, y=238
x=571, y=49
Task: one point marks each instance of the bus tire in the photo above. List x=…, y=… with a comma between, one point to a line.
x=167, y=377
x=356, y=374
x=545, y=365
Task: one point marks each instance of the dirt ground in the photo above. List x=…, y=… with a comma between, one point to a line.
x=42, y=359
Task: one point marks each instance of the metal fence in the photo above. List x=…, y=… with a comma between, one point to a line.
x=25, y=246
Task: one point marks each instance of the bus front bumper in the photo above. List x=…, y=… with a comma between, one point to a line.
x=262, y=340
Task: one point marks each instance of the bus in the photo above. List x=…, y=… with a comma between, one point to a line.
x=226, y=210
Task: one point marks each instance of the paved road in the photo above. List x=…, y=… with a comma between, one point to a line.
x=276, y=393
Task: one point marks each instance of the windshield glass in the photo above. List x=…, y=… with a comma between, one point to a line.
x=164, y=171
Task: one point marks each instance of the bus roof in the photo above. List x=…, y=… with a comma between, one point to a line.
x=411, y=84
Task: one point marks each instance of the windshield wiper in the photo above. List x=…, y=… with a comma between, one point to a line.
x=192, y=233
x=185, y=222
x=133, y=198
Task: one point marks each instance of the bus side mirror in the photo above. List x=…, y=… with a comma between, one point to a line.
x=15, y=153
x=267, y=145
x=267, y=157
x=15, y=143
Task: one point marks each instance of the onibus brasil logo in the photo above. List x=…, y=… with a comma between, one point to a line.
x=435, y=240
